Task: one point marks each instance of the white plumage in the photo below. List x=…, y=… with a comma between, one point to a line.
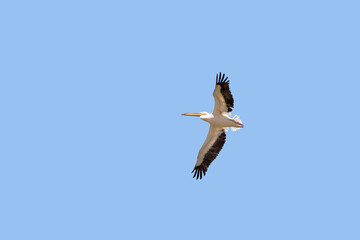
x=219, y=123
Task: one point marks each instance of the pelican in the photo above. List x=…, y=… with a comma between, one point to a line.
x=219, y=123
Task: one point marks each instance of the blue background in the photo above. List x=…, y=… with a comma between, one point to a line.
x=93, y=145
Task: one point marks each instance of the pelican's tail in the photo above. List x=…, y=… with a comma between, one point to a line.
x=238, y=121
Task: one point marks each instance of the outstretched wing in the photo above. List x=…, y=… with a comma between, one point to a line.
x=213, y=144
x=224, y=101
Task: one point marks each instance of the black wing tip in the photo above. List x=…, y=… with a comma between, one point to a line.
x=220, y=79
x=199, y=172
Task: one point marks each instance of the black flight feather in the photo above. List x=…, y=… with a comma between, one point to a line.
x=210, y=156
x=225, y=91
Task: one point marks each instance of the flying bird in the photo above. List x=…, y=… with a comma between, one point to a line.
x=219, y=123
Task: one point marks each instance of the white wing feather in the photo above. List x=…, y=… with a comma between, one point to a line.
x=211, y=138
x=220, y=105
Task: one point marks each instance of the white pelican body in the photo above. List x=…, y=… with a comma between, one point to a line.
x=220, y=120
x=219, y=123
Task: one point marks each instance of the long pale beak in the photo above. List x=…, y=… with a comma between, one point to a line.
x=193, y=114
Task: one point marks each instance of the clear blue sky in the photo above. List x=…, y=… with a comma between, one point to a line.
x=93, y=145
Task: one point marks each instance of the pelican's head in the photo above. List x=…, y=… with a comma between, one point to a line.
x=195, y=114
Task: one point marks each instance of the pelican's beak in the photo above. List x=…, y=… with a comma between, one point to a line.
x=193, y=114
